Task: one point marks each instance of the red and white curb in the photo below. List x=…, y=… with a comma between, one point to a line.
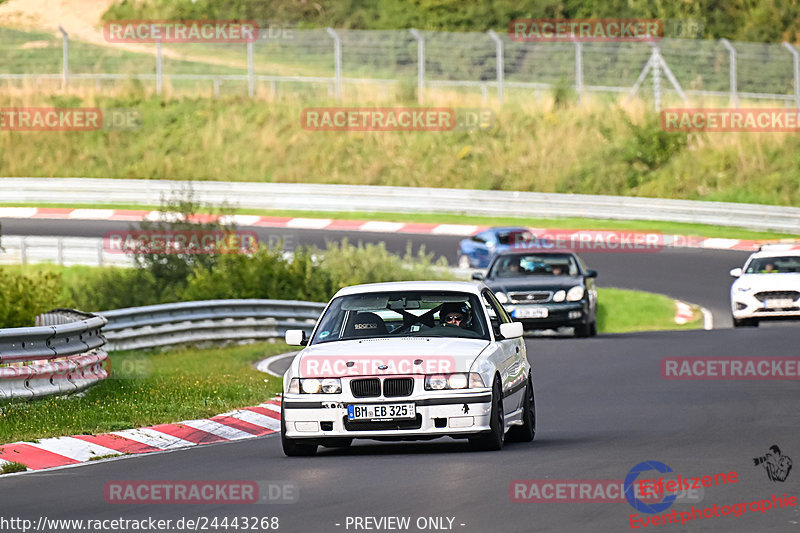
x=374, y=226
x=683, y=312
x=247, y=423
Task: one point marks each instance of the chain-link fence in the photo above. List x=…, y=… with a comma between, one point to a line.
x=334, y=61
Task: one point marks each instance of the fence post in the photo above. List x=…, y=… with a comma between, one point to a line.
x=656, y=79
x=733, y=83
x=796, y=62
x=64, y=56
x=23, y=250
x=159, y=68
x=579, y=70
x=251, y=77
x=500, y=65
x=60, y=251
x=420, y=65
x=337, y=59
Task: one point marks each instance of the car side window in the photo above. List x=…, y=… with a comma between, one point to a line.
x=478, y=238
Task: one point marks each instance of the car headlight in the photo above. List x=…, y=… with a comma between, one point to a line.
x=501, y=297
x=559, y=296
x=459, y=380
x=325, y=386
x=575, y=294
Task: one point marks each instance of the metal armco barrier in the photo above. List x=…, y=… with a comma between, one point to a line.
x=69, y=342
x=210, y=321
x=369, y=198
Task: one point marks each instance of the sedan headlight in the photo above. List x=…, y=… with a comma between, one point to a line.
x=501, y=297
x=459, y=380
x=559, y=296
x=575, y=294
x=317, y=386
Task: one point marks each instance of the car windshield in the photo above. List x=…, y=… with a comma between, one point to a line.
x=515, y=238
x=773, y=265
x=402, y=314
x=509, y=266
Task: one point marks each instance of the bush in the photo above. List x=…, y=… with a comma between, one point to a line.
x=25, y=295
x=103, y=289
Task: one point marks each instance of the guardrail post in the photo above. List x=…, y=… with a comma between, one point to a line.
x=251, y=77
x=64, y=56
x=796, y=62
x=500, y=65
x=420, y=64
x=159, y=68
x=337, y=60
x=732, y=72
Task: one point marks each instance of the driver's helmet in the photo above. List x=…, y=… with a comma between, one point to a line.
x=454, y=309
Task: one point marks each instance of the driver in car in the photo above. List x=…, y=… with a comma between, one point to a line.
x=454, y=314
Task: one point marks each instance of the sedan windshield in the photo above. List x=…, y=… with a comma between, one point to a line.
x=774, y=265
x=402, y=314
x=508, y=266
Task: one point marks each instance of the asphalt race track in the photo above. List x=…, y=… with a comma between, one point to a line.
x=602, y=405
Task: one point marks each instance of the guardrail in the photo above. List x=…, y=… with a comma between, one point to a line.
x=369, y=198
x=209, y=321
x=68, y=341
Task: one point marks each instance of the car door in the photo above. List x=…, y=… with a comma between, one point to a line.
x=511, y=354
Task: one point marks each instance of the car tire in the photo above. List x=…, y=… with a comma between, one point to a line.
x=583, y=330
x=463, y=262
x=292, y=447
x=745, y=322
x=527, y=431
x=593, y=329
x=493, y=439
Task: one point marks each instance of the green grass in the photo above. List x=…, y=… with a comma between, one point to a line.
x=149, y=388
x=11, y=467
x=622, y=311
x=592, y=149
x=678, y=228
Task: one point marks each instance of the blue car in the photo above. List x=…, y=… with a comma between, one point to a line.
x=479, y=250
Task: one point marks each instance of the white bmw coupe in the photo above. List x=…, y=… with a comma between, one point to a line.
x=409, y=361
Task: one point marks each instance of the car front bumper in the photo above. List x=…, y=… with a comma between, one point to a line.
x=744, y=306
x=438, y=414
x=567, y=314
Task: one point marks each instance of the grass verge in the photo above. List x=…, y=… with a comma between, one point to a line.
x=148, y=388
x=10, y=468
x=679, y=228
x=623, y=311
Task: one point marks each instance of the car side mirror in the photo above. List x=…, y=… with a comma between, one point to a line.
x=591, y=273
x=736, y=272
x=477, y=276
x=511, y=330
x=296, y=337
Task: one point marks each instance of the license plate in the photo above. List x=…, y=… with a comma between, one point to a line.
x=381, y=411
x=779, y=302
x=531, y=312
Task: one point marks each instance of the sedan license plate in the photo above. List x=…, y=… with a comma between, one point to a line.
x=531, y=312
x=381, y=411
x=779, y=302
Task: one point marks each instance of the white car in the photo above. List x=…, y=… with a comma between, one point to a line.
x=392, y=361
x=768, y=287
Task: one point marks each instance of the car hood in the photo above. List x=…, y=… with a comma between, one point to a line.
x=401, y=355
x=772, y=282
x=528, y=283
